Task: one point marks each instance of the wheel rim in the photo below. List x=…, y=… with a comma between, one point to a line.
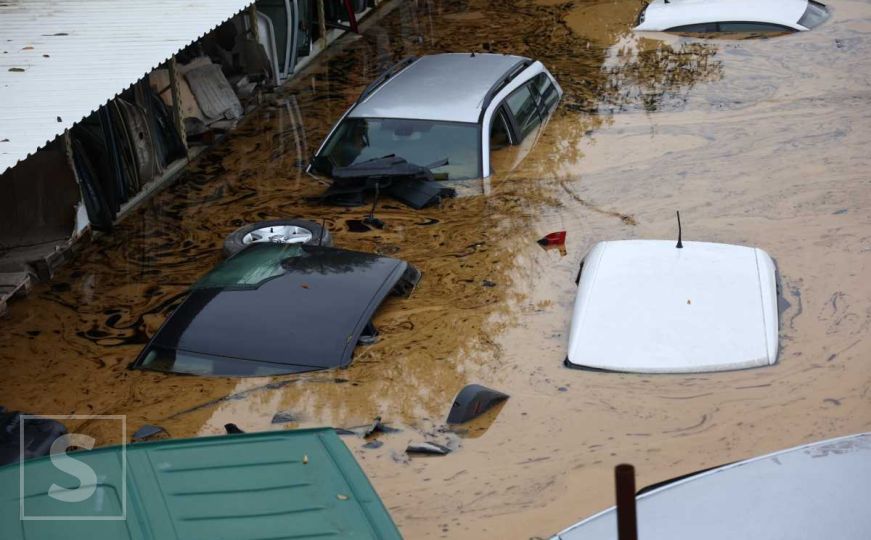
x=278, y=234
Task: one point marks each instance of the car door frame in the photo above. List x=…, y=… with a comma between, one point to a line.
x=499, y=100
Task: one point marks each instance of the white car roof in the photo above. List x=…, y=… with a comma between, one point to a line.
x=447, y=87
x=645, y=306
x=659, y=15
x=818, y=490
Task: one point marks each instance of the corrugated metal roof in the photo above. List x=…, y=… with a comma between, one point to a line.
x=60, y=60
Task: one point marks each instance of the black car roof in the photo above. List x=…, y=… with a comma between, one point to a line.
x=274, y=309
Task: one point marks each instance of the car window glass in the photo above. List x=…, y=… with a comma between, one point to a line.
x=703, y=28
x=250, y=268
x=421, y=142
x=740, y=26
x=499, y=137
x=524, y=106
x=547, y=91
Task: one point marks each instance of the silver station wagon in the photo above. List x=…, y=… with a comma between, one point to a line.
x=444, y=114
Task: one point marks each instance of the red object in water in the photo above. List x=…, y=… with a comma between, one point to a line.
x=554, y=239
x=352, y=16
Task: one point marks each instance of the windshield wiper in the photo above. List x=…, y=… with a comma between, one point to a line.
x=392, y=175
x=387, y=167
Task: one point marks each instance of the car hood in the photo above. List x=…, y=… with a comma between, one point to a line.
x=275, y=309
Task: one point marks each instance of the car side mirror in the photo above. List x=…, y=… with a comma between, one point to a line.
x=322, y=165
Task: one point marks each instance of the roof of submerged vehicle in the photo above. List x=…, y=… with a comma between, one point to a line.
x=301, y=483
x=645, y=306
x=444, y=87
x=273, y=309
x=819, y=490
x=660, y=15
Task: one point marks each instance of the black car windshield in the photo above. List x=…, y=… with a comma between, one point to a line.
x=421, y=142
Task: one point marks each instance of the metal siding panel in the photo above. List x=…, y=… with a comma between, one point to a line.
x=108, y=46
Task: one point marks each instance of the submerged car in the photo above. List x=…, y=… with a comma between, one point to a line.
x=818, y=490
x=440, y=115
x=647, y=306
x=276, y=308
x=712, y=16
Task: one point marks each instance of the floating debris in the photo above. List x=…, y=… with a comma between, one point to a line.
x=284, y=417
x=429, y=448
x=553, y=239
x=148, y=431
x=377, y=426
x=473, y=401
x=232, y=428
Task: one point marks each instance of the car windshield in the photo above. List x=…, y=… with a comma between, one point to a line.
x=814, y=16
x=422, y=142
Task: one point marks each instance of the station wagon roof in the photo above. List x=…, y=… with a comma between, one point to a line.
x=447, y=87
x=660, y=15
x=645, y=306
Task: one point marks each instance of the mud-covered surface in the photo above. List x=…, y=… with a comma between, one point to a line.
x=757, y=142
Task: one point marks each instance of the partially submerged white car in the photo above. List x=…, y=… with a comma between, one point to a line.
x=815, y=491
x=443, y=112
x=710, y=16
x=646, y=306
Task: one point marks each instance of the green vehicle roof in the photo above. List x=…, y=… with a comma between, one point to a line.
x=272, y=485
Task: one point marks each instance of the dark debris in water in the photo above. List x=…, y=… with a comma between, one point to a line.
x=427, y=448
x=148, y=432
x=284, y=417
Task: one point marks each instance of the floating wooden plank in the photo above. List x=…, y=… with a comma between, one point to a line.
x=13, y=284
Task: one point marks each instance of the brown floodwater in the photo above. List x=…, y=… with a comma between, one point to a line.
x=761, y=142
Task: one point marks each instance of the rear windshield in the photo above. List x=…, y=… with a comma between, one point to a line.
x=250, y=268
x=421, y=142
x=815, y=15
x=178, y=361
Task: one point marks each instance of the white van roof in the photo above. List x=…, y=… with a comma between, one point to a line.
x=645, y=306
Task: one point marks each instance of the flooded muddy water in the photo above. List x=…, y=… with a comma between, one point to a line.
x=760, y=142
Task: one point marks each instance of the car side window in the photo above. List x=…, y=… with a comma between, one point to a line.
x=740, y=26
x=500, y=136
x=703, y=28
x=547, y=91
x=523, y=104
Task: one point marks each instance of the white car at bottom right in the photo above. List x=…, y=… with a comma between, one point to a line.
x=714, y=16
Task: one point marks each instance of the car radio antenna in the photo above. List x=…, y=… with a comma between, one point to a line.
x=679, y=234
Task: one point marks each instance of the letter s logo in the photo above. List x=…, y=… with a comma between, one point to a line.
x=85, y=474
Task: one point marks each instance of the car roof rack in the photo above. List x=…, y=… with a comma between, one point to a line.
x=509, y=76
x=384, y=77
